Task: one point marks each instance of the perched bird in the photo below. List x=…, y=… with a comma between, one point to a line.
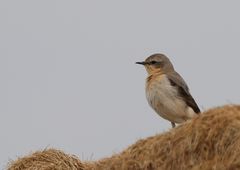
x=166, y=91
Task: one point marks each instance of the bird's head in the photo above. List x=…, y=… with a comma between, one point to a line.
x=157, y=63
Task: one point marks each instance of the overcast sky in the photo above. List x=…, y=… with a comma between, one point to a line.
x=68, y=78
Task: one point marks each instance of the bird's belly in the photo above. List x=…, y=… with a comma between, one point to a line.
x=164, y=99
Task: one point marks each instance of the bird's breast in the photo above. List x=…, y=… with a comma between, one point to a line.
x=164, y=98
x=159, y=90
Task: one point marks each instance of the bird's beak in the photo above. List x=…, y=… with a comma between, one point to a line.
x=143, y=63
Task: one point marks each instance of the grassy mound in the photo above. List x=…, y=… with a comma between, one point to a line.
x=209, y=141
x=50, y=159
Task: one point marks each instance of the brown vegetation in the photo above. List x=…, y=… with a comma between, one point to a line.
x=209, y=141
x=50, y=159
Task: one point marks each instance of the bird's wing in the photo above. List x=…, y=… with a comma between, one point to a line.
x=177, y=81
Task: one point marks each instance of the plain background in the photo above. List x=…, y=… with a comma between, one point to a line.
x=68, y=78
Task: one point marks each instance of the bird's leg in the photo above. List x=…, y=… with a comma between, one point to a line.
x=173, y=124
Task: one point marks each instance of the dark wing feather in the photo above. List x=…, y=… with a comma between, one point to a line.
x=177, y=81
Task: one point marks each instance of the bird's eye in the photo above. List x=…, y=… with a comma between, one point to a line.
x=153, y=62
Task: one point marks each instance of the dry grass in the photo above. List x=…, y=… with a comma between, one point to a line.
x=50, y=159
x=210, y=141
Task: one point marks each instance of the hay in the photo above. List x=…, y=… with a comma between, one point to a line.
x=209, y=141
x=50, y=159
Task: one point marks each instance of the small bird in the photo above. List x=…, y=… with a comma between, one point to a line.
x=166, y=91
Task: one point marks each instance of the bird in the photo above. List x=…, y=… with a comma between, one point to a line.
x=167, y=92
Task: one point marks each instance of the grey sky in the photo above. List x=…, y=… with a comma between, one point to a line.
x=68, y=78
